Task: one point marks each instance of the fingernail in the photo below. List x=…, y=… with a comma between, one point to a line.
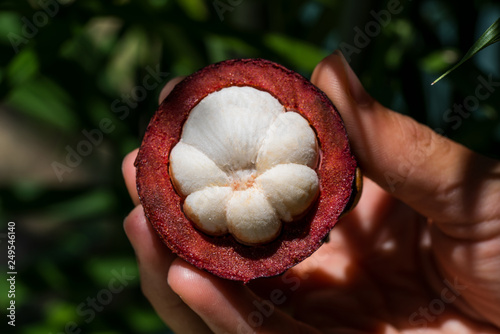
x=356, y=89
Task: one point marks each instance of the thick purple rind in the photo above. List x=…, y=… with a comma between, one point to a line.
x=224, y=256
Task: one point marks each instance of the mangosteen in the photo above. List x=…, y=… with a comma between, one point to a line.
x=245, y=168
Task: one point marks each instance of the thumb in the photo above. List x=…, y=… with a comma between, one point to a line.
x=439, y=178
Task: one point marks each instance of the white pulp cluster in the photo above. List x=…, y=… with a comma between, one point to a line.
x=245, y=165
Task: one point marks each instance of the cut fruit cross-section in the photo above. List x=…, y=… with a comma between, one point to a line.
x=245, y=168
x=232, y=138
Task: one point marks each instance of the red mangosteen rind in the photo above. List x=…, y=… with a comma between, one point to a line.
x=223, y=255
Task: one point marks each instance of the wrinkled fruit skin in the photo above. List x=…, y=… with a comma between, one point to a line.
x=223, y=255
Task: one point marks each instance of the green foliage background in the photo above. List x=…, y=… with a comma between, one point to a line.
x=80, y=59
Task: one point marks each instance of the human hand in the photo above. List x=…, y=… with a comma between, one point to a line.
x=419, y=254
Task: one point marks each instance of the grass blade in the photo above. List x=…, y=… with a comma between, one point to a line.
x=490, y=36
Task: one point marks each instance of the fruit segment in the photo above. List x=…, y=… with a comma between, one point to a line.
x=290, y=188
x=207, y=209
x=290, y=139
x=191, y=170
x=251, y=218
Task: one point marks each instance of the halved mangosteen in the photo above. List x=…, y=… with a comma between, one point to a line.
x=245, y=168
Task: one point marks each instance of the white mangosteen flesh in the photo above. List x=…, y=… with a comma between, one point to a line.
x=245, y=165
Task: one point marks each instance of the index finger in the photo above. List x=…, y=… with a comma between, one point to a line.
x=168, y=88
x=128, y=171
x=128, y=168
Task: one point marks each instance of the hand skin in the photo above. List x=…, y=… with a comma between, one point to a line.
x=419, y=254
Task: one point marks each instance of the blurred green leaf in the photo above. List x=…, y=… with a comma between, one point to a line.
x=101, y=269
x=37, y=328
x=143, y=321
x=59, y=313
x=127, y=56
x=490, y=36
x=51, y=274
x=195, y=9
x=22, y=67
x=103, y=31
x=222, y=47
x=300, y=54
x=86, y=205
x=438, y=60
x=183, y=54
x=45, y=100
x=27, y=190
x=393, y=56
x=10, y=22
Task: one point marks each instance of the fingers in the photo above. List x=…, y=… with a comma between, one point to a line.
x=168, y=88
x=154, y=261
x=128, y=171
x=230, y=307
x=436, y=176
x=224, y=306
x=154, y=258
